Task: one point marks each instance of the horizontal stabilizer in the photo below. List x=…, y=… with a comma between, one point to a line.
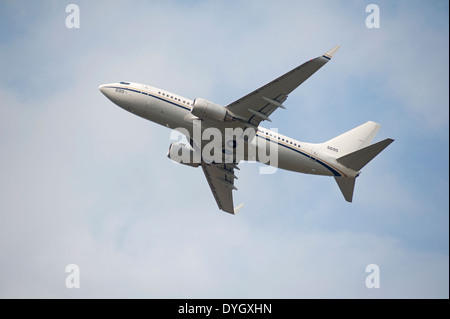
x=361, y=157
x=347, y=185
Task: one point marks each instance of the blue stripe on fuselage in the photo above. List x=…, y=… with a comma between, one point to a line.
x=335, y=172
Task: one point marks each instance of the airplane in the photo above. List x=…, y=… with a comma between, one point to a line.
x=342, y=157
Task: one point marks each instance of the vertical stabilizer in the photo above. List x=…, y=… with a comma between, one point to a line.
x=354, y=139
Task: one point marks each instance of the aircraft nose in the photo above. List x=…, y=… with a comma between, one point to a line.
x=102, y=88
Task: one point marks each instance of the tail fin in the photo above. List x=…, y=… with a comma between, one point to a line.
x=354, y=139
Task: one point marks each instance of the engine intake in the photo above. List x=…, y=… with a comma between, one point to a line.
x=207, y=110
x=183, y=154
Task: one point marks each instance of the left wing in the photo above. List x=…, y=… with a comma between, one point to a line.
x=258, y=105
x=220, y=178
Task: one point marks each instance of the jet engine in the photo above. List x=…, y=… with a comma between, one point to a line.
x=184, y=154
x=207, y=110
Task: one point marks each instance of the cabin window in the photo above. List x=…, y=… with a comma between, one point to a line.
x=125, y=83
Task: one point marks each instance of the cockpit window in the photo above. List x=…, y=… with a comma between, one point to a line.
x=125, y=83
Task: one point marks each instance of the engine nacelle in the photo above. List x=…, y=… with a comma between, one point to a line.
x=207, y=110
x=183, y=154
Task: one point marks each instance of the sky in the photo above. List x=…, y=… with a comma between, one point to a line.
x=84, y=182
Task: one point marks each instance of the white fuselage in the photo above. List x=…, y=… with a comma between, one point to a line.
x=174, y=111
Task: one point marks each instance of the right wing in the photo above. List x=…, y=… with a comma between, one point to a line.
x=220, y=178
x=258, y=105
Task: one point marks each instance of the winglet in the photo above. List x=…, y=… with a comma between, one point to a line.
x=329, y=54
x=238, y=208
